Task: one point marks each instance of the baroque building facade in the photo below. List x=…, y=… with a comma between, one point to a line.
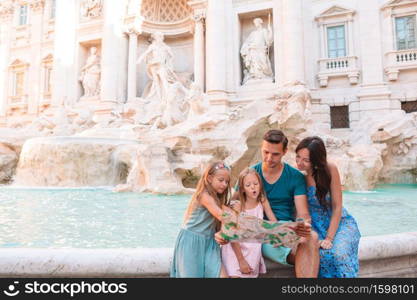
x=355, y=57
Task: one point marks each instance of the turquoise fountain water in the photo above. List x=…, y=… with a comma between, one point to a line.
x=99, y=218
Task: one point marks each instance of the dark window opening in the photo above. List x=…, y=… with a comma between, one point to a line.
x=339, y=116
x=409, y=106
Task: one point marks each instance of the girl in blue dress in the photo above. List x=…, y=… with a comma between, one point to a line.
x=196, y=252
x=338, y=232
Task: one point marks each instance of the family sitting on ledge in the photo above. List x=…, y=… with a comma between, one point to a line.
x=213, y=242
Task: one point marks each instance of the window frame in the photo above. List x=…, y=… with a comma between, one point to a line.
x=19, y=17
x=339, y=24
x=394, y=21
x=47, y=66
x=52, y=10
x=15, y=89
x=16, y=68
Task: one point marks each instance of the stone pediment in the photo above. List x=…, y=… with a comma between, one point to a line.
x=335, y=11
x=48, y=58
x=397, y=3
x=18, y=63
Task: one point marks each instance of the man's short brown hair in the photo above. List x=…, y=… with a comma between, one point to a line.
x=275, y=136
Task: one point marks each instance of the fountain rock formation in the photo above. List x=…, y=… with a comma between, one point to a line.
x=69, y=162
x=141, y=156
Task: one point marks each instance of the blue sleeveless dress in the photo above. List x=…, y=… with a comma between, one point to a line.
x=196, y=253
x=342, y=259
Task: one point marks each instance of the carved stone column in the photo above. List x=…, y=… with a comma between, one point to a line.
x=65, y=69
x=216, y=54
x=114, y=49
x=294, y=45
x=374, y=94
x=199, y=16
x=6, y=16
x=34, y=92
x=199, y=47
x=131, y=68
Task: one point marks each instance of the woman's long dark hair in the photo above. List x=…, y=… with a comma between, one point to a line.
x=318, y=160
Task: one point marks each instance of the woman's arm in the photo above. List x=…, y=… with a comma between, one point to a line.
x=336, y=195
x=268, y=211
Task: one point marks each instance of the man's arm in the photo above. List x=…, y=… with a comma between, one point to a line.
x=301, y=206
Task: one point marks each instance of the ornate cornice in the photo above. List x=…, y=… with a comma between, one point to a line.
x=37, y=5
x=398, y=3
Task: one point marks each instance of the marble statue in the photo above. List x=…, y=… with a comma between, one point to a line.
x=175, y=107
x=91, y=8
x=159, y=68
x=90, y=74
x=255, y=53
x=195, y=100
x=293, y=99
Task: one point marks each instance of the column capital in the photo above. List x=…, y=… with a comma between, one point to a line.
x=131, y=30
x=133, y=25
x=199, y=10
x=199, y=16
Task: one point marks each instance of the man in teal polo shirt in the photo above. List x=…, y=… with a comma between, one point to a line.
x=285, y=188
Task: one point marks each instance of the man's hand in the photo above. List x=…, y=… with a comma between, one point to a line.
x=219, y=239
x=303, y=229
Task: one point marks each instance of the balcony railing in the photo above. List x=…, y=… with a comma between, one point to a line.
x=339, y=66
x=400, y=60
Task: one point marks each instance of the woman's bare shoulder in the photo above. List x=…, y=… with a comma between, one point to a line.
x=332, y=166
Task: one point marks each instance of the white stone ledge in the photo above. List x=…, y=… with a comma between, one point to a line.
x=386, y=246
x=392, y=255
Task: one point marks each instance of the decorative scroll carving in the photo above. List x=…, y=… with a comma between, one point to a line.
x=91, y=8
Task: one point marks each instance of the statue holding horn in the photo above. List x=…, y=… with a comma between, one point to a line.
x=255, y=52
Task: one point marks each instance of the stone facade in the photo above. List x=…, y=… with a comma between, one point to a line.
x=44, y=47
x=333, y=68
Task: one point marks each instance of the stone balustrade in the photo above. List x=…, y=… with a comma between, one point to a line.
x=400, y=60
x=339, y=66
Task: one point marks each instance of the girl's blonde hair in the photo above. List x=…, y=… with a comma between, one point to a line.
x=242, y=194
x=204, y=185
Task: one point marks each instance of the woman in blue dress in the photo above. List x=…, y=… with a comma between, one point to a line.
x=338, y=232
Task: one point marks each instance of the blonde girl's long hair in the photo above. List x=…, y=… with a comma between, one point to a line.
x=204, y=185
x=242, y=194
